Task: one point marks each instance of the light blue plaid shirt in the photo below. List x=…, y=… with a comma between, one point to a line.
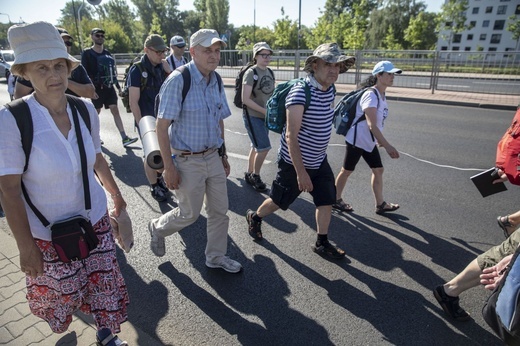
x=195, y=124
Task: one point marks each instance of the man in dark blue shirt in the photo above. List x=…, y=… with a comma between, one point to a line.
x=144, y=82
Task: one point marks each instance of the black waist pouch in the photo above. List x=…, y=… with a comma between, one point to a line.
x=73, y=238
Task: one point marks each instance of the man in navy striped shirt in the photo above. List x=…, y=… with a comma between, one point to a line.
x=303, y=165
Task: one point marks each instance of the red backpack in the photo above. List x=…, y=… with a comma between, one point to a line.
x=508, y=151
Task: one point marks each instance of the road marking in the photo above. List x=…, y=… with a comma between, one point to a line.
x=244, y=157
x=443, y=166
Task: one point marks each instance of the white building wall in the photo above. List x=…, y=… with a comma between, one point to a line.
x=489, y=32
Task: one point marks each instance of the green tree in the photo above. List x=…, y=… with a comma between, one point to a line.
x=420, y=33
x=452, y=19
x=217, y=14
x=513, y=26
x=285, y=33
x=391, y=42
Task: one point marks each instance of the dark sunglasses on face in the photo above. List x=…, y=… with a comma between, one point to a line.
x=100, y=36
x=68, y=43
x=265, y=56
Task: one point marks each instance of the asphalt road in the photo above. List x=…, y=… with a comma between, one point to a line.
x=381, y=294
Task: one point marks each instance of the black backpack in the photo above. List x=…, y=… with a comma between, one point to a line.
x=22, y=114
x=237, y=101
x=125, y=97
x=345, y=111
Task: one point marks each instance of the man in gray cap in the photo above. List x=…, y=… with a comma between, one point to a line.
x=191, y=139
x=145, y=79
x=177, y=58
x=303, y=165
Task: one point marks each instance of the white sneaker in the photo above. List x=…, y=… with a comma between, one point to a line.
x=226, y=263
x=157, y=244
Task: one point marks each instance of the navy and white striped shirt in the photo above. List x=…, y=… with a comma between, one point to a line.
x=315, y=131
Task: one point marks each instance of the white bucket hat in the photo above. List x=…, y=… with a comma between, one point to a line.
x=37, y=41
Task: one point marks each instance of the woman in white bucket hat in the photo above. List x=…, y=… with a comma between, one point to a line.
x=58, y=285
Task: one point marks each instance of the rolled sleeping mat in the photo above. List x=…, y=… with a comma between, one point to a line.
x=152, y=152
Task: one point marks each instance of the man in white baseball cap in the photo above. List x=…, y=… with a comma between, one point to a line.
x=176, y=57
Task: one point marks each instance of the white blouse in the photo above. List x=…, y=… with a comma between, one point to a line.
x=53, y=178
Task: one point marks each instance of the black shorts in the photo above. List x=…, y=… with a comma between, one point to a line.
x=107, y=97
x=285, y=187
x=353, y=154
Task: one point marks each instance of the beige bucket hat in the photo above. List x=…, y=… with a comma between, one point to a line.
x=330, y=53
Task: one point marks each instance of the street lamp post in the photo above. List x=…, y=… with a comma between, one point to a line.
x=9, y=18
x=254, y=21
x=297, y=57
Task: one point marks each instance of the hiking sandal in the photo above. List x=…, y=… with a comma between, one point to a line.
x=111, y=340
x=342, y=206
x=504, y=223
x=386, y=207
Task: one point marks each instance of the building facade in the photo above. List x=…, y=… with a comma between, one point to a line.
x=487, y=28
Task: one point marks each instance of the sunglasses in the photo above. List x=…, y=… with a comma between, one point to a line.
x=265, y=56
x=68, y=43
x=99, y=35
x=159, y=52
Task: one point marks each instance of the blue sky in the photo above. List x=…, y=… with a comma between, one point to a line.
x=241, y=11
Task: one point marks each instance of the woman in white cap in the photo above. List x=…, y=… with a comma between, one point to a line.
x=61, y=277
x=257, y=87
x=365, y=136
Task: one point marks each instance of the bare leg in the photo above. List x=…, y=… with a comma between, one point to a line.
x=323, y=215
x=117, y=118
x=267, y=208
x=259, y=161
x=377, y=185
x=341, y=181
x=466, y=279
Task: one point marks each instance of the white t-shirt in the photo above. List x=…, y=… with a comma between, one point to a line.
x=360, y=135
x=53, y=178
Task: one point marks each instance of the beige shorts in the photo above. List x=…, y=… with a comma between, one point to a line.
x=496, y=253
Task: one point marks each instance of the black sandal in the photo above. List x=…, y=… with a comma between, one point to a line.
x=110, y=339
x=342, y=206
x=386, y=207
x=504, y=223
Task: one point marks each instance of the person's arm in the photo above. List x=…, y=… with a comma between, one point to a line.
x=82, y=90
x=371, y=116
x=134, y=94
x=223, y=152
x=171, y=176
x=294, y=123
x=31, y=258
x=166, y=67
x=109, y=184
x=247, y=91
x=492, y=276
x=21, y=90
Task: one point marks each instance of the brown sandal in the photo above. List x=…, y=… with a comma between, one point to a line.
x=386, y=207
x=504, y=223
x=342, y=206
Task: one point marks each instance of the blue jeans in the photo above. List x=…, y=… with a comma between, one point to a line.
x=258, y=132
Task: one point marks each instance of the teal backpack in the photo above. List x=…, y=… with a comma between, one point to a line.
x=275, y=115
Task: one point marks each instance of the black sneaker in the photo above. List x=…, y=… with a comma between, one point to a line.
x=163, y=186
x=254, y=227
x=158, y=194
x=247, y=178
x=326, y=248
x=257, y=182
x=450, y=305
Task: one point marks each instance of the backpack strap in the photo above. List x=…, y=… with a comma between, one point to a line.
x=308, y=96
x=186, y=78
x=82, y=109
x=22, y=114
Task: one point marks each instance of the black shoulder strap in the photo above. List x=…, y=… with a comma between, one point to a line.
x=22, y=114
x=186, y=77
x=219, y=81
x=83, y=111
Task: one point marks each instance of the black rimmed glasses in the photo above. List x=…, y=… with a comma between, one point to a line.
x=68, y=43
x=266, y=56
x=100, y=36
x=159, y=52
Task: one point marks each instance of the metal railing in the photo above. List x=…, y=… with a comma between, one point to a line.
x=475, y=72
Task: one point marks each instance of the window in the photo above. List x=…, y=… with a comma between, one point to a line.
x=517, y=11
x=474, y=10
x=448, y=24
x=499, y=25
x=456, y=38
x=455, y=48
x=444, y=48
x=470, y=37
x=502, y=9
x=495, y=38
x=489, y=9
x=483, y=37
x=492, y=49
x=467, y=49
x=472, y=24
x=485, y=24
